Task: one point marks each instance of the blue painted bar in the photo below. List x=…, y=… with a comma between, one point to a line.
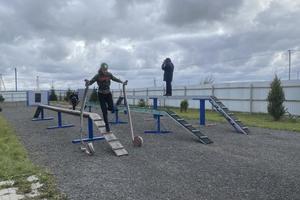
x=76, y=141
x=202, y=112
x=157, y=118
x=117, y=120
x=90, y=135
x=158, y=130
x=202, y=108
x=59, y=123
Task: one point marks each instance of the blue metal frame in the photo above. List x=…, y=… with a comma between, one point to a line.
x=157, y=117
x=117, y=120
x=42, y=117
x=201, y=110
x=90, y=134
x=59, y=123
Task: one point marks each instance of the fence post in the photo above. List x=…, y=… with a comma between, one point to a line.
x=133, y=93
x=212, y=93
x=251, y=98
x=185, y=92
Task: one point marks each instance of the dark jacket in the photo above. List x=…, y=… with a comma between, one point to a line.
x=103, y=81
x=168, y=68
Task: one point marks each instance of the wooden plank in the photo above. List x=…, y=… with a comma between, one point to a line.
x=110, y=137
x=99, y=124
x=64, y=110
x=121, y=152
x=115, y=145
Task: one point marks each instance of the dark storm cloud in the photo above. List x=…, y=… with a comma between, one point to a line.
x=66, y=40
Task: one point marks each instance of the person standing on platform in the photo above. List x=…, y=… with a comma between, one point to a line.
x=168, y=69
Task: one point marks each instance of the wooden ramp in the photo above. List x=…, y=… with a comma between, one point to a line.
x=110, y=138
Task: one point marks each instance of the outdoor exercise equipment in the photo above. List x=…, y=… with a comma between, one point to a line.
x=86, y=147
x=216, y=103
x=229, y=116
x=137, y=140
x=93, y=118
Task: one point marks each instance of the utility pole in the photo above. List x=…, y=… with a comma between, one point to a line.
x=37, y=83
x=16, y=79
x=289, y=64
x=154, y=81
x=290, y=60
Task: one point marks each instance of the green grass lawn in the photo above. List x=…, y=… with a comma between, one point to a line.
x=257, y=120
x=15, y=165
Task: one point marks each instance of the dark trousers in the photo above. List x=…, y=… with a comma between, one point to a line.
x=106, y=103
x=169, y=88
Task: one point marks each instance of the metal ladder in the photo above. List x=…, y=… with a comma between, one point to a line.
x=201, y=137
x=229, y=116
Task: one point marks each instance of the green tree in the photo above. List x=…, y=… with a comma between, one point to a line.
x=1, y=98
x=60, y=97
x=68, y=94
x=184, y=104
x=275, y=99
x=52, y=96
x=94, y=95
x=142, y=103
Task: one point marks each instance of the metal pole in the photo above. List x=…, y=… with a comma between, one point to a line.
x=289, y=64
x=16, y=79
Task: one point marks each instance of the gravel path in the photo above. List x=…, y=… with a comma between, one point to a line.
x=263, y=165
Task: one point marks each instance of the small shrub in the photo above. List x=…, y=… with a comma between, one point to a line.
x=141, y=103
x=184, y=104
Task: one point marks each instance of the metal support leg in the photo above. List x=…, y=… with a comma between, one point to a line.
x=157, y=131
x=117, y=120
x=42, y=117
x=90, y=134
x=59, y=123
x=202, y=112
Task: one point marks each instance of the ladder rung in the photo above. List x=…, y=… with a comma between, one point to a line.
x=118, y=148
x=195, y=130
x=187, y=124
x=204, y=136
x=180, y=119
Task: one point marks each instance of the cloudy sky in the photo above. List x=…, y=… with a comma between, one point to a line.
x=64, y=41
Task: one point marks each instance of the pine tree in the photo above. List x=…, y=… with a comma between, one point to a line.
x=276, y=98
x=94, y=96
x=68, y=94
x=1, y=98
x=52, y=96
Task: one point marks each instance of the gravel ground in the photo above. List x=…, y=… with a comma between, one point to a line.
x=263, y=165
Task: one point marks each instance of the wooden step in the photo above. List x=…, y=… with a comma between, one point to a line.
x=115, y=144
x=121, y=152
